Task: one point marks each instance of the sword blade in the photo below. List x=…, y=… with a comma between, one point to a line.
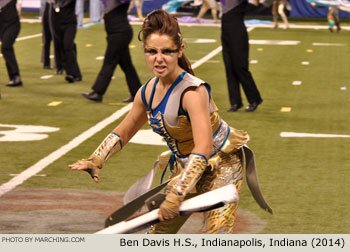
x=129, y=209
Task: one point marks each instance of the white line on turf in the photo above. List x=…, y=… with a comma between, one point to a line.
x=43, y=163
x=29, y=37
x=45, y=77
x=207, y=57
x=213, y=53
x=316, y=135
x=273, y=42
x=327, y=44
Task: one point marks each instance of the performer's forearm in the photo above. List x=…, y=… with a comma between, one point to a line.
x=109, y=146
x=190, y=175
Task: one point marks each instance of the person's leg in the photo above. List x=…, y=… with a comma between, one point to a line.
x=95, y=11
x=274, y=13
x=79, y=11
x=115, y=44
x=214, y=10
x=57, y=35
x=132, y=78
x=337, y=19
x=232, y=81
x=8, y=39
x=214, y=13
x=330, y=17
x=47, y=38
x=19, y=8
x=229, y=170
x=239, y=54
x=229, y=34
x=138, y=4
x=283, y=15
x=72, y=67
x=202, y=11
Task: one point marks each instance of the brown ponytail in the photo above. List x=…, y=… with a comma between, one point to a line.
x=161, y=22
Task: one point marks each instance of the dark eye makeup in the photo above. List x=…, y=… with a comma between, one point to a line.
x=164, y=51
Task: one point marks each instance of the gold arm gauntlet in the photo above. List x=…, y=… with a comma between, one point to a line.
x=109, y=146
x=190, y=175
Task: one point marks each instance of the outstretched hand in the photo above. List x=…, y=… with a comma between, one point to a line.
x=86, y=165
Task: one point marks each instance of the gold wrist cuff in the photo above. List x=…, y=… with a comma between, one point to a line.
x=110, y=145
x=190, y=175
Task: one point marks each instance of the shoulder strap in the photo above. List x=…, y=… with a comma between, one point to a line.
x=172, y=108
x=149, y=106
x=143, y=92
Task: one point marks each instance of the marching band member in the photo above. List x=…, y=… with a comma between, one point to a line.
x=206, y=151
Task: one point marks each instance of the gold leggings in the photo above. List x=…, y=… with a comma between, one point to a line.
x=217, y=221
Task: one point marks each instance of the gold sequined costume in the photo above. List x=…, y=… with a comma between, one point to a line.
x=225, y=165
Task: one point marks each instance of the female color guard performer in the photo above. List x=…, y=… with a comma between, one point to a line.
x=206, y=151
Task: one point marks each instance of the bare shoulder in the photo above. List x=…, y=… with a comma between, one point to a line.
x=195, y=96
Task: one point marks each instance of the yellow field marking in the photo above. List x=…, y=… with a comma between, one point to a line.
x=54, y=103
x=286, y=109
x=260, y=49
x=88, y=45
x=132, y=46
x=309, y=50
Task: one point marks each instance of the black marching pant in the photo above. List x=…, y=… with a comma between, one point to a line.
x=117, y=52
x=8, y=35
x=235, y=50
x=65, y=48
x=47, y=38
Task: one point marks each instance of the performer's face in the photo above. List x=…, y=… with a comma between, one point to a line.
x=162, y=55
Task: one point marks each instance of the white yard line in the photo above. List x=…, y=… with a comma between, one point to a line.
x=207, y=57
x=43, y=163
x=316, y=135
x=299, y=26
x=213, y=53
x=29, y=37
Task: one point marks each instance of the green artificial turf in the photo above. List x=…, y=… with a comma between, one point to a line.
x=305, y=180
